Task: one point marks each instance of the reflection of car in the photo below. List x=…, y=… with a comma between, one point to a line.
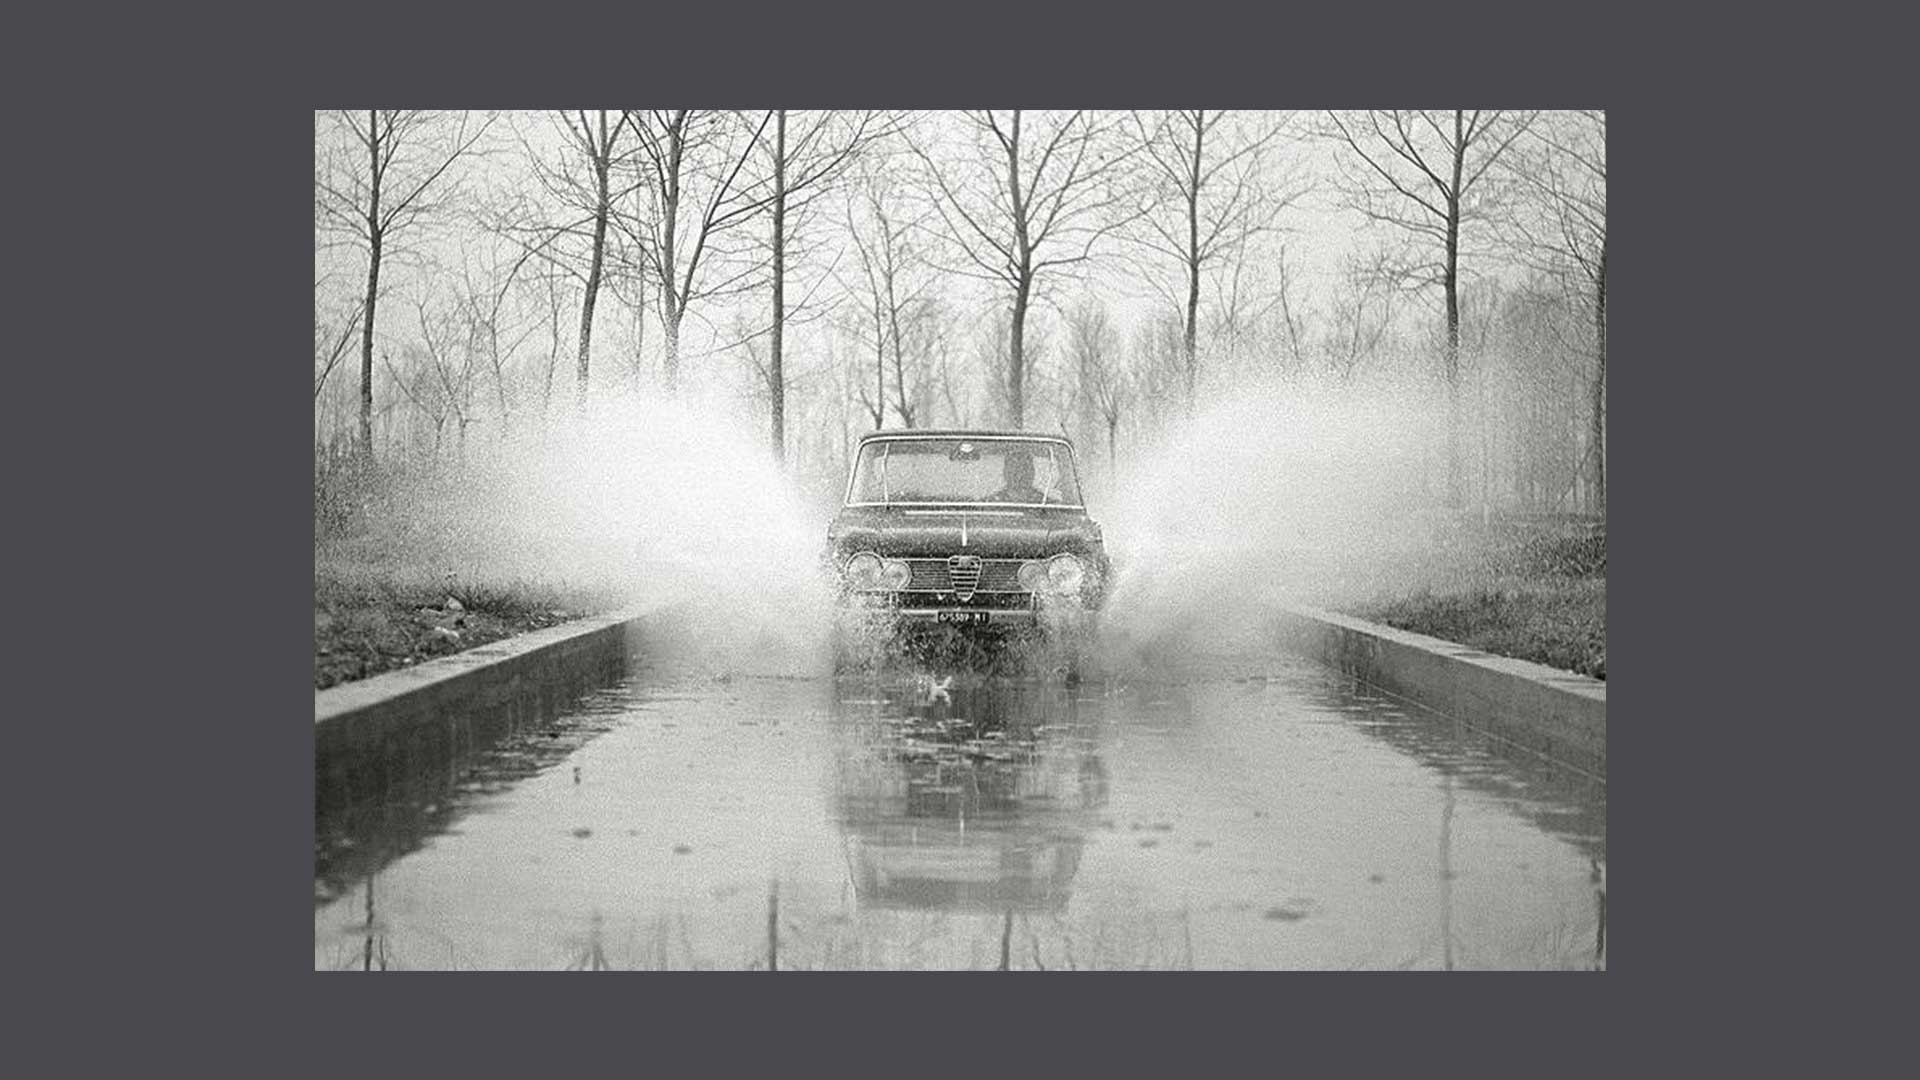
x=974, y=799
x=967, y=527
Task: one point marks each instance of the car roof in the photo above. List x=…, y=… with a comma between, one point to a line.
x=964, y=433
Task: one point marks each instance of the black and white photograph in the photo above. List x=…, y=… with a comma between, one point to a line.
x=960, y=540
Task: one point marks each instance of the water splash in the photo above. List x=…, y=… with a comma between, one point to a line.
x=650, y=502
x=1284, y=491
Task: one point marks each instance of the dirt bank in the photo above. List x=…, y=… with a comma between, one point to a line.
x=366, y=621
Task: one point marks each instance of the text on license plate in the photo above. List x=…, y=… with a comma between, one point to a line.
x=965, y=618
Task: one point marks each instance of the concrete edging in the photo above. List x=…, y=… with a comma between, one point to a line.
x=1556, y=714
x=376, y=733
x=463, y=676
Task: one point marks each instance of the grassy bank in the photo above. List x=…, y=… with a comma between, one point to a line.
x=396, y=582
x=370, y=619
x=1537, y=593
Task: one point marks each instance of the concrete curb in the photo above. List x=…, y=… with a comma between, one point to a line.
x=1555, y=714
x=449, y=679
x=374, y=733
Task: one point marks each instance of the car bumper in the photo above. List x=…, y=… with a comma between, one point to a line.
x=961, y=616
x=918, y=611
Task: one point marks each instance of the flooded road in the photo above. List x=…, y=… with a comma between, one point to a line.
x=1249, y=812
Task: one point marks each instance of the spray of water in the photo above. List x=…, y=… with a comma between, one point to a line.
x=1281, y=492
x=650, y=503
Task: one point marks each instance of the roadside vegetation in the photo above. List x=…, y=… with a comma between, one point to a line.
x=390, y=590
x=1534, y=593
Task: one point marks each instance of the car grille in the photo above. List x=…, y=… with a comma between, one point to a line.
x=985, y=601
x=964, y=574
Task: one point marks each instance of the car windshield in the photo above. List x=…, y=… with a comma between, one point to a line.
x=1015, y=471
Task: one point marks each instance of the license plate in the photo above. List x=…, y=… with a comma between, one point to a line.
x=963, y=618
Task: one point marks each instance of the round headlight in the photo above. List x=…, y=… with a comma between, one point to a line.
x=1032, y=576
x=1066, y=573
x=895, y=574
x=863, y=571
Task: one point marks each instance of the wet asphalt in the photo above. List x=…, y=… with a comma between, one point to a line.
x=1245, y=812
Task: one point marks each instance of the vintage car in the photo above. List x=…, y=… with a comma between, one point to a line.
x=970, y=528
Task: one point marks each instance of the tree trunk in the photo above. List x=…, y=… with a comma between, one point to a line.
x=366, y=345
x=499, y=376
x=374, y=238
x=670, y=297
x=776, y=380
x=640, y=336
x=1016, y=357
x=671, y=319
x=1193, y=262
x=1017, y=333
x=1192, y=332
x=553, y=355
x=1599, y=435
x=1456, y=495
x=902, y=404
x=593, y=282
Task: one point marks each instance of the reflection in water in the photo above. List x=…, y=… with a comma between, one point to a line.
x=773, y=925
x=1561, y=800
x=593, y=956
x=1280, y=818
x=966, y=794
x=1600, y=926
x=377, y=804
x=1446, y=870
x=367, y=963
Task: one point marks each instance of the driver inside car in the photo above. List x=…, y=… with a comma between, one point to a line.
x=1018, y=477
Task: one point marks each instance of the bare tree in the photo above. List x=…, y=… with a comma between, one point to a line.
x=598, y=142
x=582, y=182
x=1157, y=367
x=692, y=166
x=944, y=371
x=1360, y=316
x=1210, y=193
x=330, y=347
x=1248, y=299
x=435, y=374
x=493, y=331
x=446, y=341
x=923, y=332
x=1540, y=325
x=992, y=345
x=822, y=146
x=893, y=292
x=1101, y=376
x=1565, y=166
x=1425, y=173
x=553, y=301
x=1034, y=196
x=405, y=157
x=854, y=376
x=1295, y=322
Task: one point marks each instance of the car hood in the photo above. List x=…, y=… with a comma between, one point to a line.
x=937, y=532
